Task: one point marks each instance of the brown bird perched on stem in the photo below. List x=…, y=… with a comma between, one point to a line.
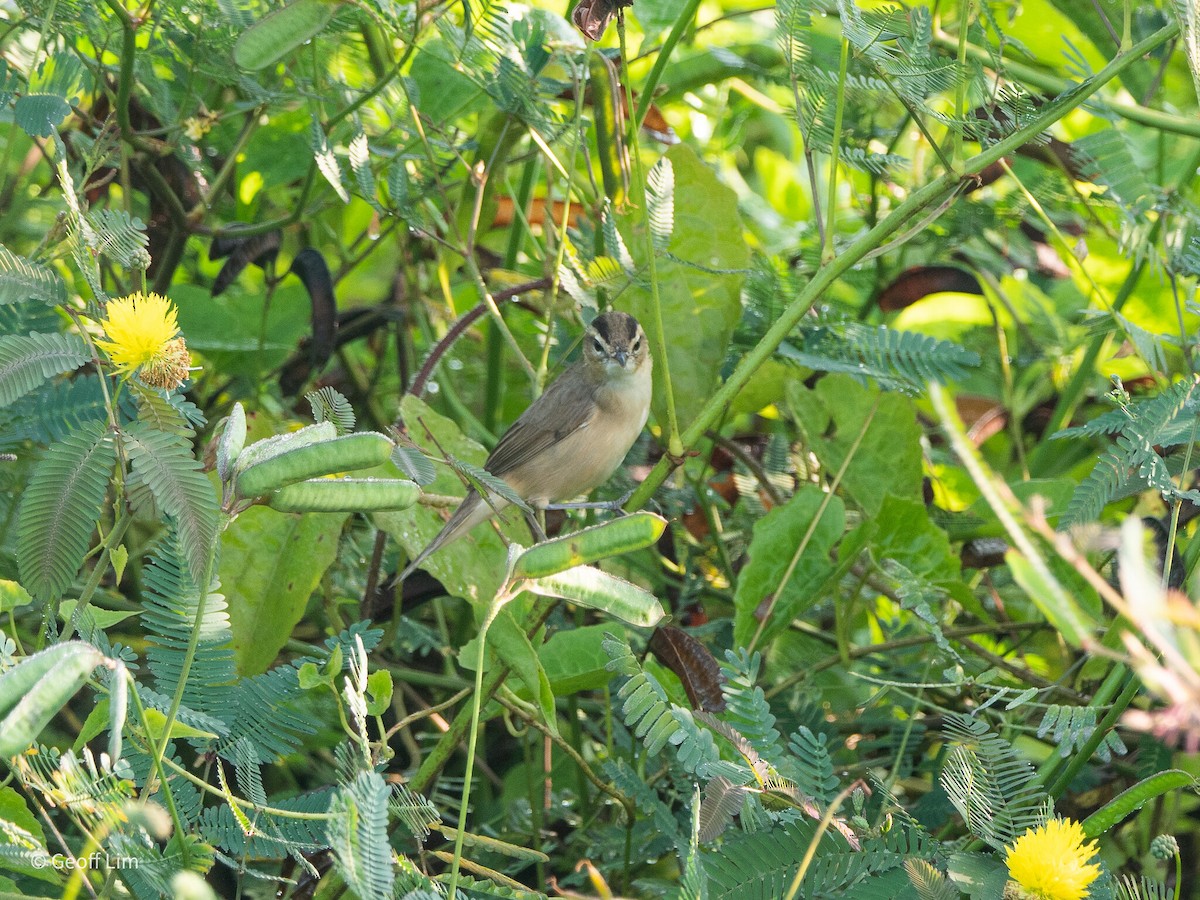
x=573, y=437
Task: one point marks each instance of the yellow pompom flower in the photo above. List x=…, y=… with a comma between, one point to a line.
x=142, y=334
x=1052, y=862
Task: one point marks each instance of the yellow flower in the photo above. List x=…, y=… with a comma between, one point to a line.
x=142, y=334
x=1051, y=862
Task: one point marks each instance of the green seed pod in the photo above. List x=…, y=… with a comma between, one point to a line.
x=588, y=586
x=277, y=34
x=33, y=691
x=345, y=495
x=344, y=454
x=233, y=439
x=623, y=535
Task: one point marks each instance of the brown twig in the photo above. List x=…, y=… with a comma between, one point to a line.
x=417, y=388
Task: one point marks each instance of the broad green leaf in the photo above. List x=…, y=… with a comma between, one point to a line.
x=35, y=689
x=473, y=566
x=888, y=458
x=510, y=643
x=574, y=660
x=22, y=831
x=777, y=535
x=60, y=509
x=96, y=617
x=903, y=531
x=94, y=725
x=379, y=692
x=270, y=564
x=12, y=595
x=28, y=360
x=700, y=307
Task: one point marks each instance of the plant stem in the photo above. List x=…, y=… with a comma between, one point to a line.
x=476, y=706
x=685, y=17
x=659, y=336
x=921, y=199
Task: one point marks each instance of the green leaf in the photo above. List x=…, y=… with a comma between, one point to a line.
x=700, y=306
x=379, y=692
x=22, y=831
x=60, y=509
x=888, y=457
x=12, y=595
x=26, y=361
x=97, y=618
x=155, y=721
x=510, y=643
x=270, y=564
x=39, y=115
x=23, y=279
x=35, y=689
x=574, y=660
x=776, y=538
x=164, y=463
x=472, y=567
x=357, y=831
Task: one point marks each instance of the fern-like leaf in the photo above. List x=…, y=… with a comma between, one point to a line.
x=121, y=237
x=170, y=605
x=60, y=509
x=165, y=464
x=660, y=202
x=993, y=788
x=23, y=279
x=28, y=360
x=722, y=800
x=929, y=882
x=48, y=415
x=358, y=836
x=330, y=406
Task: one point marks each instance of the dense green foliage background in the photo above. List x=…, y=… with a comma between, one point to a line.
x=920, y=287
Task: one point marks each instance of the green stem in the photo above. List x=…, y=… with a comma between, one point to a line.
x=202, y=585
x=476, y=707
x=112, y=540
x=659, y=336
x=437, y=758
x=839, y=111
x=1083, y=753
x=960, y=96
x=682, y=21
x=921, y=199
x=1143, y=115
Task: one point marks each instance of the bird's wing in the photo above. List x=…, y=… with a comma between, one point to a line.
x=566, y=407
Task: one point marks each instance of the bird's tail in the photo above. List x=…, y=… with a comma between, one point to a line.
x=470, y=513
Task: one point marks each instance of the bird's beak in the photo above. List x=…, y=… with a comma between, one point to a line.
x=620, y=356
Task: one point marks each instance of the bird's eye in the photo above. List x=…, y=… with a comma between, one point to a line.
x=637, y=343
x=597, y=346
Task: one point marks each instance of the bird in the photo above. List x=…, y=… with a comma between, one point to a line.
x=572, y=437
